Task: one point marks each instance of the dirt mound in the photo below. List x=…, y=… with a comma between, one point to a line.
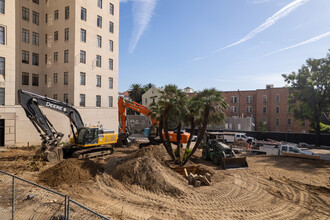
x=69, y=172
x=146, y=169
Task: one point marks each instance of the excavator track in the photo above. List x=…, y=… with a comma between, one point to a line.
x=87, y=153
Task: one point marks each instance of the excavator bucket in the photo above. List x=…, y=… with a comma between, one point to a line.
x=235, y=163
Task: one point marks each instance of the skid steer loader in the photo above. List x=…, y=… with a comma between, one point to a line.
x=221, y=153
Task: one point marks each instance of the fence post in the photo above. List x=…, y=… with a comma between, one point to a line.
x=13, y=200
x=68, y=209
x=65, y=204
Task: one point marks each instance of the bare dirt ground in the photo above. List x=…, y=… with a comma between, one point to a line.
x=136, y=184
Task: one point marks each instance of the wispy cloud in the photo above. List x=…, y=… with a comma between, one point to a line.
x=319, y=37
x=142, y=11
x=286, y=10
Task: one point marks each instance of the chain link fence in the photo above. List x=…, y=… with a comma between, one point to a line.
x=22, y=199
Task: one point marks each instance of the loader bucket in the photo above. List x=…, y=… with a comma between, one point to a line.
x=235, y=163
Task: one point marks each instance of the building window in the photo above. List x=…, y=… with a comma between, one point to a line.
x=45, y=78
x=83, y=14
x=264, y=109
x=99, y=21
x=248, y=99
x=112, y=9
x=55, y=35
x=110, y=64
x=2, y=35
x=25, y=35
x=110, y=83
x=25, y=79
x=67, y=12
x=289, y=121
x=25, y=57
x=55, y=14
x=2, y=6
x=66, y=98
x=264, y=99
x=55, y=96
x=46, y=38
x=35, y=18
x=98, y=60
x=248, y=109
x=111, y=26
x=35, y=1
x=55, y=57
x=25, y=13
x=277, y=109
x=99, y=3
x=35, y=38
x=277, y=121
x=66, y=56
x=2, y=65
x=46, y=58
x=46, y=18
x=98, y=101
x=110, y=101
x=98, y=81
x=82, y=78
x=35, y=79
x=82, y=56
x=55, y=77
x=111, y=45
x=82, y=100
x=66, y=78
x=66, y=34
x=233, y=99
x=99, y=41
x=278, y=98
x=233, y=109
x=83, y=35
x=264, y=120
x=35, y=59
x=2, y=96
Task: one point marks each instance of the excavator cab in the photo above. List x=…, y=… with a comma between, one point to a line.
x=88, y=136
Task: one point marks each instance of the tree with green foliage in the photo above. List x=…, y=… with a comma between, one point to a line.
x=135, y=92
x=173, y=104
x=309, y=93
x=211, y=105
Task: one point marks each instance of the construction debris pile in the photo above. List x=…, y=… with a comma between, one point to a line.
x=198, y=180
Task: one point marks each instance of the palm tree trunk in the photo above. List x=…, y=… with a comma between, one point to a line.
x=178, y=142
x=167, y=141
x=160, y=133
x=200, y=133
x=192, y=129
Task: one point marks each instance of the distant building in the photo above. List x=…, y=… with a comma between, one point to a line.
x=151, y=96
x=125, y=95
x=267, y=106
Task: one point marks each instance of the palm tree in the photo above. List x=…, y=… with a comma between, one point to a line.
x=135, y=92
x=191, y=118
x=173, y=102
x=212, y=106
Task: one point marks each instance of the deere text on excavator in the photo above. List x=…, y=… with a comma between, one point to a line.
x=87, y=142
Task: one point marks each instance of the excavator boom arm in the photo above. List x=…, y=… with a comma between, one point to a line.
x=31, y=102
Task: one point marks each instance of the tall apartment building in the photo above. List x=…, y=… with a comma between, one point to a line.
x=267, y=106
x=66, y=50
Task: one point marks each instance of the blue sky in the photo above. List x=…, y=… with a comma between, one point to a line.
x=226, y=44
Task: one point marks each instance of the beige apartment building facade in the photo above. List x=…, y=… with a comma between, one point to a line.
x=65, y=50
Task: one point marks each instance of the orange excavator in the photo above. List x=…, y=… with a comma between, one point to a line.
x=153, y=131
